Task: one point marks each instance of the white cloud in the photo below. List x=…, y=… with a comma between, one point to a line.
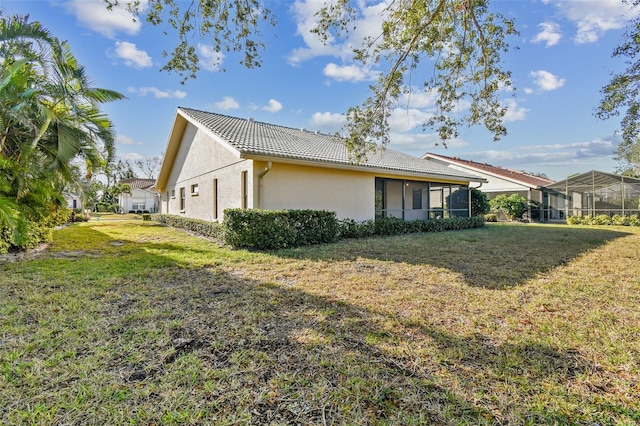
x=227, y=102
x=557, y=160
x=274, y=106
x=126, y=140
x=595, y=17
x=327, y=122
x=348, y=73
x=407, y=119
x=514, y=112
x=157, y=93
x=418, y=99
x=132, y=56
x=367, y=24
x=210, y=60
x=418, y=143
x=131, y=156
x=547, y=81
x=550, y=34
x=93, y=14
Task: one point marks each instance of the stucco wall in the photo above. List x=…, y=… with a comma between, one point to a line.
x=149, y=199
x=286, y=186
x=200, y=160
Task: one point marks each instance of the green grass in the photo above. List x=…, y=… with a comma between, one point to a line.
x=128, y=322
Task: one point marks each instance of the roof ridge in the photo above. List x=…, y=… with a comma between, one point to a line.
x=505, y=169
x=252, y=120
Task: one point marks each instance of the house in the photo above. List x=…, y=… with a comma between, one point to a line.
x=594, y=193
x=72, y=200
x=502, y=181
x=213, y=162
x=143, y=197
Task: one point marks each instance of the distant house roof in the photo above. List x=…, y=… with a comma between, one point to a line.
x=512, y=175
x=257, y=140
x=139, y=183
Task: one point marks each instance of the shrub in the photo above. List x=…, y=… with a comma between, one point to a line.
x=274, y=229
x=395, y=226
x=212, y=230
x=512, y=206
x=620, y=220
x=575, y=220
x=601, y=219
x=479, y=202
x=349, y=228
x=491, y=217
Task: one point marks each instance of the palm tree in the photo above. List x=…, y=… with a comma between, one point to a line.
x=49, y=118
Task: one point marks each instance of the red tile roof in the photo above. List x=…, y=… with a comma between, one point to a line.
x=514, y=175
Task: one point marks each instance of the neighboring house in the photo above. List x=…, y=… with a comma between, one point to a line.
x=503, y=181
x=73, y=200
x=143, y=197
x=213, y=162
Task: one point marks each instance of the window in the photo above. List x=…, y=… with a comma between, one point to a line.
x=245, y=195
x=173, y=193
x=215, y=199
x=182, y=198
x=417, y=199
x=194, y=189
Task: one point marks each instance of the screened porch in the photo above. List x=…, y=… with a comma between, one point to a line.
x=594, y=193
x=418, y=200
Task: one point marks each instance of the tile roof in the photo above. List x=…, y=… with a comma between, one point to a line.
x=139, y=183
x=254, y=138
x=514, y=175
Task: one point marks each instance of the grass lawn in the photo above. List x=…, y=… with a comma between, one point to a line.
x=128, y=322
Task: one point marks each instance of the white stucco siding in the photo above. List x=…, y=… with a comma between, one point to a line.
x=349, y=193
x=200, y=160
x=139, y=199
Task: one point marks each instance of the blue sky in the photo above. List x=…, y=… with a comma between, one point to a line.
x=562, y=60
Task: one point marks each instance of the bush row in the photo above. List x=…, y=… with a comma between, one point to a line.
x=394, y=226
x=604, y=219
x=211, y=230
x=32, y=233
x=274, y=229
x=268, y=229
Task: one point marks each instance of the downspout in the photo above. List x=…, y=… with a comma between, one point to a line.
x=260, y=176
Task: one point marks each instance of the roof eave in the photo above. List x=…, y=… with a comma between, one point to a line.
x=357, y=167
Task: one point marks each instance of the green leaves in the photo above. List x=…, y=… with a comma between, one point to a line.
x=622, y=95
x=453, y=47
x=49, y=118
x=229, y=26
x=513, y=206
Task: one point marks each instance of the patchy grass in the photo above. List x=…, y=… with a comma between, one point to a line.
x=134, y=323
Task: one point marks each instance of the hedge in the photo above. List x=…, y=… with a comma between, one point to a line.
x=211, y=230
x=604, y=219
x=276, y=229
x=394, y=226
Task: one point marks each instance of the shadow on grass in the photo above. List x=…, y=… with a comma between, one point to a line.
x=209, y=345
x=495, y=257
